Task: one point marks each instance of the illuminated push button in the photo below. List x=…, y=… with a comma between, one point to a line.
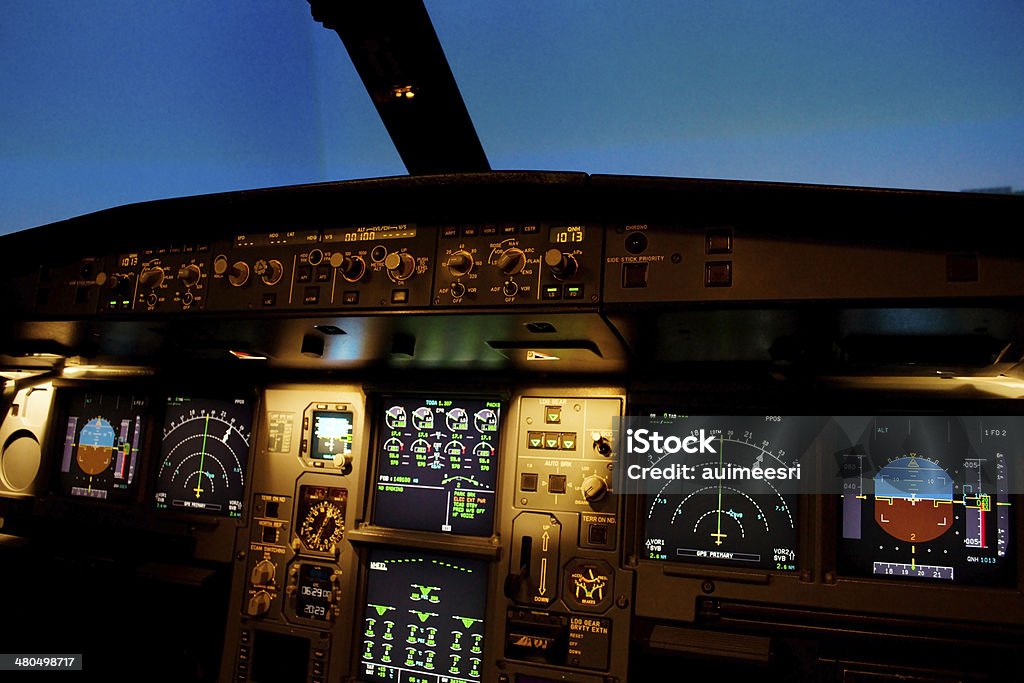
x=400, y=296
x=528, y=481
x=574, y=291
x=304, y=274
x=556, y=483
x=551, y=292
x=322, y=274
x=551, y=440
x=634, y=275
x=553, y=414
x=718, y=274
x=535, y=439
x=597, y=534
x=568, y=441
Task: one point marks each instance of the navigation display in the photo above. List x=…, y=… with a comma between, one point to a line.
x=437, y=464
x=424, y=618
x=101, y=456
x=203, y=455
x=742, y=516
x=927, y=498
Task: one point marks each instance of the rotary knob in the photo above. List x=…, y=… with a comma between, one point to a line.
x=263, y=573
x=563, y=266
x=352, y=268
x=238, y=275
x=460, y=263
x=400, y=266
x=151, y=277
x=189, y=275
x=602, y=445
x=594, y=488
x=121, y=284
x=511, y=261
x=269, y=271
x=259, y=604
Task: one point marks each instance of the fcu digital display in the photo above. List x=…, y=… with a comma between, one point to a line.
x=332, y=435
x=436, y=464
x=424, y=618
x=203, y=455
x=928, y=498
x=722, y=508
x=101, y=456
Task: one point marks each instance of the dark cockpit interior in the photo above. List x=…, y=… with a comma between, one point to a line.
x=472, y=426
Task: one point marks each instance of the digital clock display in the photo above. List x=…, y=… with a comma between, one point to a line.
x=315, y=595
x=567, y=234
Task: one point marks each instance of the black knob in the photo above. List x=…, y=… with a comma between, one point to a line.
x=594, y=488
x=352, y=268
x=263, y=572
x=511, y=261
x=259, y=604
x=189, y=275
x=460, y=263
x=400, y=266
x=510, y=288
x=602, y=445
x=269, y=271
x=238, y=275
x=563, y=266
x=458, y=290
x=151, y=277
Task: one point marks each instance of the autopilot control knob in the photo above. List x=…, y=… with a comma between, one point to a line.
x=238, y=274
x=460, y=263
x=121, y=284
x=263, y=573
x=189, y=275
x=511, y=261
x=563, y=266
x=400, y=265
x=352, y=268
x=594, y=488
x=602, y=445
x=270, y=271
x=259, y=604
x=151, y=277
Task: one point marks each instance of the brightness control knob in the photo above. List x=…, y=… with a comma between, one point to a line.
x=270, y=271
x=460, y=263
x=263, y=573
x=189, y=275
x=151, y=277
x=352, y=268
x=594, y=488
x=511, y=261
x=563, y=266
x=259, y=604
x=400, y=265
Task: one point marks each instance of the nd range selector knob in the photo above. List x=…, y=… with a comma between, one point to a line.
x=263, y=572
x=259, y=604
x=563, y=266
x=594, y=488
x=511, y=261
x=189, y=275
x=460, y=263
x=352, y=268
x=151, y=277
x=400, y=265
x=270, y=271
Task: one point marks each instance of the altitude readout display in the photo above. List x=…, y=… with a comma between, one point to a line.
x=332, y=435
x=927, y=497
x=102, y=438
x=424, y=618
x=437, y=464
x=203, y=455
x=321, y=517
x=315, y=593
x=743, y=521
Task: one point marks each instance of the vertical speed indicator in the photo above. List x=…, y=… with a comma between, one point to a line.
x=203, y=455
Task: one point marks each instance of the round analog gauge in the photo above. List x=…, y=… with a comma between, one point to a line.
x=323, y=526
x=321, y=516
